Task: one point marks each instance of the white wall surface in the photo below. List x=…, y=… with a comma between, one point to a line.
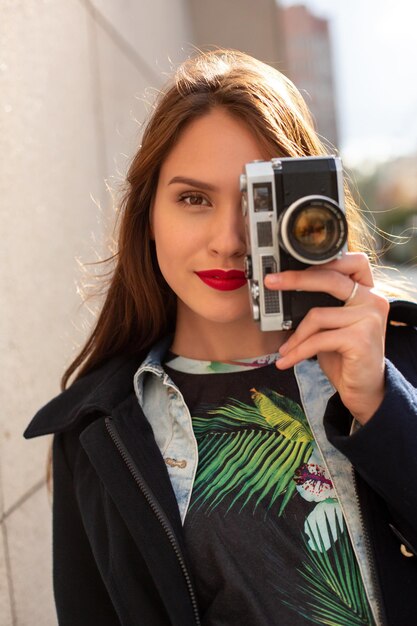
x=73, y=74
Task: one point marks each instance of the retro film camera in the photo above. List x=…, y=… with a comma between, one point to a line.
x=295, y=218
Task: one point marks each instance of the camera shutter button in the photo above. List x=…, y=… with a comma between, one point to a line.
x=248, y=267
x=244, y=204
x=255, y=291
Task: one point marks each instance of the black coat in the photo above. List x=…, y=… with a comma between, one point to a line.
x=119, y=554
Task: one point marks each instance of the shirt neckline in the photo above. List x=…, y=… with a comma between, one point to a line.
x=197, y=366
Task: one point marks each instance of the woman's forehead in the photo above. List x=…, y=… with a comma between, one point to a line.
x=211, y=142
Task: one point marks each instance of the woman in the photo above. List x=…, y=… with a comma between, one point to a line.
x=206, y=472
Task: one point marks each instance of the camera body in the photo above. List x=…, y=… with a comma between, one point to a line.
x=295, y=217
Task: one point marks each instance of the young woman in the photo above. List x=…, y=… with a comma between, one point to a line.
x=204, y=471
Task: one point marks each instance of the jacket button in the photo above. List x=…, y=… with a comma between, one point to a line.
x=174, y=463
x=405, y=552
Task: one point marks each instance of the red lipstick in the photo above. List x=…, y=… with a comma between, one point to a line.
x=223, y=280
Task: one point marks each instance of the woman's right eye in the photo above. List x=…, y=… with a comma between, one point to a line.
x=194, y=199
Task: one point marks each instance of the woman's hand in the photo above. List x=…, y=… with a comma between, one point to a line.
x=349, y=340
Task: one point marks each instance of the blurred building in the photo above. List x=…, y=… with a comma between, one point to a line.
x=77, y=79
x=246, y=25
x=308, y=61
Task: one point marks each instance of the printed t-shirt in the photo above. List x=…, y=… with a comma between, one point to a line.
x=264, y=530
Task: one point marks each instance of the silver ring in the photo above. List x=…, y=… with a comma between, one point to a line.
x=354, y=292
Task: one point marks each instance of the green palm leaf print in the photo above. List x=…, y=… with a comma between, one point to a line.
x=250, y=453
x=283, y=414
x=333, y=589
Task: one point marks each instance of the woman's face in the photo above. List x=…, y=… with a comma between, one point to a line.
x=197, y=220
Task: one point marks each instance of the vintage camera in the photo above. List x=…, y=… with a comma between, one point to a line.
x=295, y=218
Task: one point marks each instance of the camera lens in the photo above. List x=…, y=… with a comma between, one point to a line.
x=313, y=229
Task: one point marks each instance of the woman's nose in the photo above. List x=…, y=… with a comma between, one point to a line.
x=227, y=233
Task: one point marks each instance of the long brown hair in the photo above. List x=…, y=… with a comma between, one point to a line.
x=139, y=306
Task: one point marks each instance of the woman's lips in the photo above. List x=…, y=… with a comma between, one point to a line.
x=223, y=280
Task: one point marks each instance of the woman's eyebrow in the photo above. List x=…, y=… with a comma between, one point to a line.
x=193, y=183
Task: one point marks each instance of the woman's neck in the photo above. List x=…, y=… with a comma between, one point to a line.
x=214, y=341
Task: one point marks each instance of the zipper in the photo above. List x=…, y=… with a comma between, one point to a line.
x=369, y=552
x=159, y=513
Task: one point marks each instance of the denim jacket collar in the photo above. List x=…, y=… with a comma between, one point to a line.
x=151, y=365
x=164, y=407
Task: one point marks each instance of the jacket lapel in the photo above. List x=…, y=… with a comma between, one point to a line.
x=150, y=526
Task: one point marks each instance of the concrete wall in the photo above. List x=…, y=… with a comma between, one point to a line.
x=72, y=78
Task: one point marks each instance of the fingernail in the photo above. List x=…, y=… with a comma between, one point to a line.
x=272, y=279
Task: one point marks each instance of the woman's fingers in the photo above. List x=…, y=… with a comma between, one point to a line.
x=336, y=278
x=354, y=264
x=355, y=367
x=317, y=320
x=362, y=321
x=329, y=281
x=324, y=341
x=354, y=333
